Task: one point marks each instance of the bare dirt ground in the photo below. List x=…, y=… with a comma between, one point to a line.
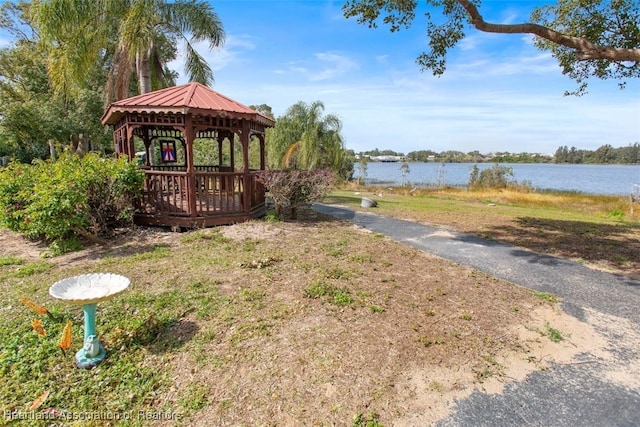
x=421, y=331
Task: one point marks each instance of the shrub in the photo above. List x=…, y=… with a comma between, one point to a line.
x=495, y=177
x=295, y=188
x=57, y=201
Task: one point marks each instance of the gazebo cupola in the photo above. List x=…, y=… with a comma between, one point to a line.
x=163, y=126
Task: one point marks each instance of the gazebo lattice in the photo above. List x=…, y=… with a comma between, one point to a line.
x=177, y=192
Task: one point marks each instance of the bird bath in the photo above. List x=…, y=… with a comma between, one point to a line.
x=88, y=290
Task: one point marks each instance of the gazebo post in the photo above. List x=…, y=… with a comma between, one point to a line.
x=130, y=146
x=232, y=157
x=263, y=158
x=148, y=161
x=244, y=140
x=189, y=136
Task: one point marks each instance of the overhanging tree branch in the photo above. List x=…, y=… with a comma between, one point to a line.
x=585, y=49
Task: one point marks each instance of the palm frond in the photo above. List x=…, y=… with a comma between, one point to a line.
x=196, y=67
x=193, y=20
x=291, y=150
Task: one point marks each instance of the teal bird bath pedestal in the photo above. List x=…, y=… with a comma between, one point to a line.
x=88, y=290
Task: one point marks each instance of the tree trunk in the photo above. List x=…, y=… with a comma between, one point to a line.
x=83, y=145
x=143, y=69
x=52, y=150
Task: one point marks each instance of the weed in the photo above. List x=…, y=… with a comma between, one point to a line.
x=427, y=342
x=337, y=273
x=616, y=214
x=546, y=296
x=251, y=329
x=362, y=294
x=362, y=259
x=342, y=297
x=192, y=237
x=10, y=260
x=466, y=316
x=252, y=294
x=335, y=249
x=334, y=295
x=490, y=360
x=376, y=309
x=32, y=268
x=482, y=375
x=195, y=398
x=622, y=260
x=272, y=216
x=552, y=333
x=249, y=245
x=360, y=420
x=319, y=289
x=158, y=252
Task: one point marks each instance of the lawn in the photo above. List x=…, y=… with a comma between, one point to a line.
x=286, y=322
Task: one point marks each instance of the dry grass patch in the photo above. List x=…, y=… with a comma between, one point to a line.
x=293, y=323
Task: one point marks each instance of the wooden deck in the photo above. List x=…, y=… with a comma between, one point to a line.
x=218, y=198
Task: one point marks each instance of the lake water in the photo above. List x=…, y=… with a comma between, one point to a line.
x=590, y=179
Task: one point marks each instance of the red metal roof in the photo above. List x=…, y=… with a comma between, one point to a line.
x=183, y=99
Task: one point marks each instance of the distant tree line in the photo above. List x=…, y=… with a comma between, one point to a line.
x=605, y=154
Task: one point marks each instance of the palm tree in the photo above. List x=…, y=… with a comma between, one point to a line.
x=130, y=36
x=304, y=138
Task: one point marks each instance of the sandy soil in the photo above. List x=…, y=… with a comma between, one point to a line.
x=453, y=331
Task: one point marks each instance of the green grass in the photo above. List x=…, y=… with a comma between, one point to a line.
x=552, y=333
x=546, y=297
x=507, y=203
x=361, y=420
x=10, y=260
x=32, y=268
x=136, y=327
x=189, y=298
x=331, y=293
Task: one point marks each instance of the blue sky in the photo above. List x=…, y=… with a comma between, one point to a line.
x=499, y=92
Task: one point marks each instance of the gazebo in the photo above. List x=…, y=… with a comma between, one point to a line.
x=161, y=128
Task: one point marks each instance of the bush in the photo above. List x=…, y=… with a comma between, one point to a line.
x=295, y=188
x=58, y=201
x=495, y=177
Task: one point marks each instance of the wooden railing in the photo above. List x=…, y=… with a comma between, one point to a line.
x=220, y=192
x=256, y=195
x=182, y=168
x=166, y=193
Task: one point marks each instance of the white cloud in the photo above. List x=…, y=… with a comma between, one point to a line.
x=499, y=93
x=382, y=59
x=231, y=53
x=330, y=65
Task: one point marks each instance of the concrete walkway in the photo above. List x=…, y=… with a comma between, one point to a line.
x=582, y=394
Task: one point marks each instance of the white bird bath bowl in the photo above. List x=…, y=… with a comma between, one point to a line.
x=88, y=290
